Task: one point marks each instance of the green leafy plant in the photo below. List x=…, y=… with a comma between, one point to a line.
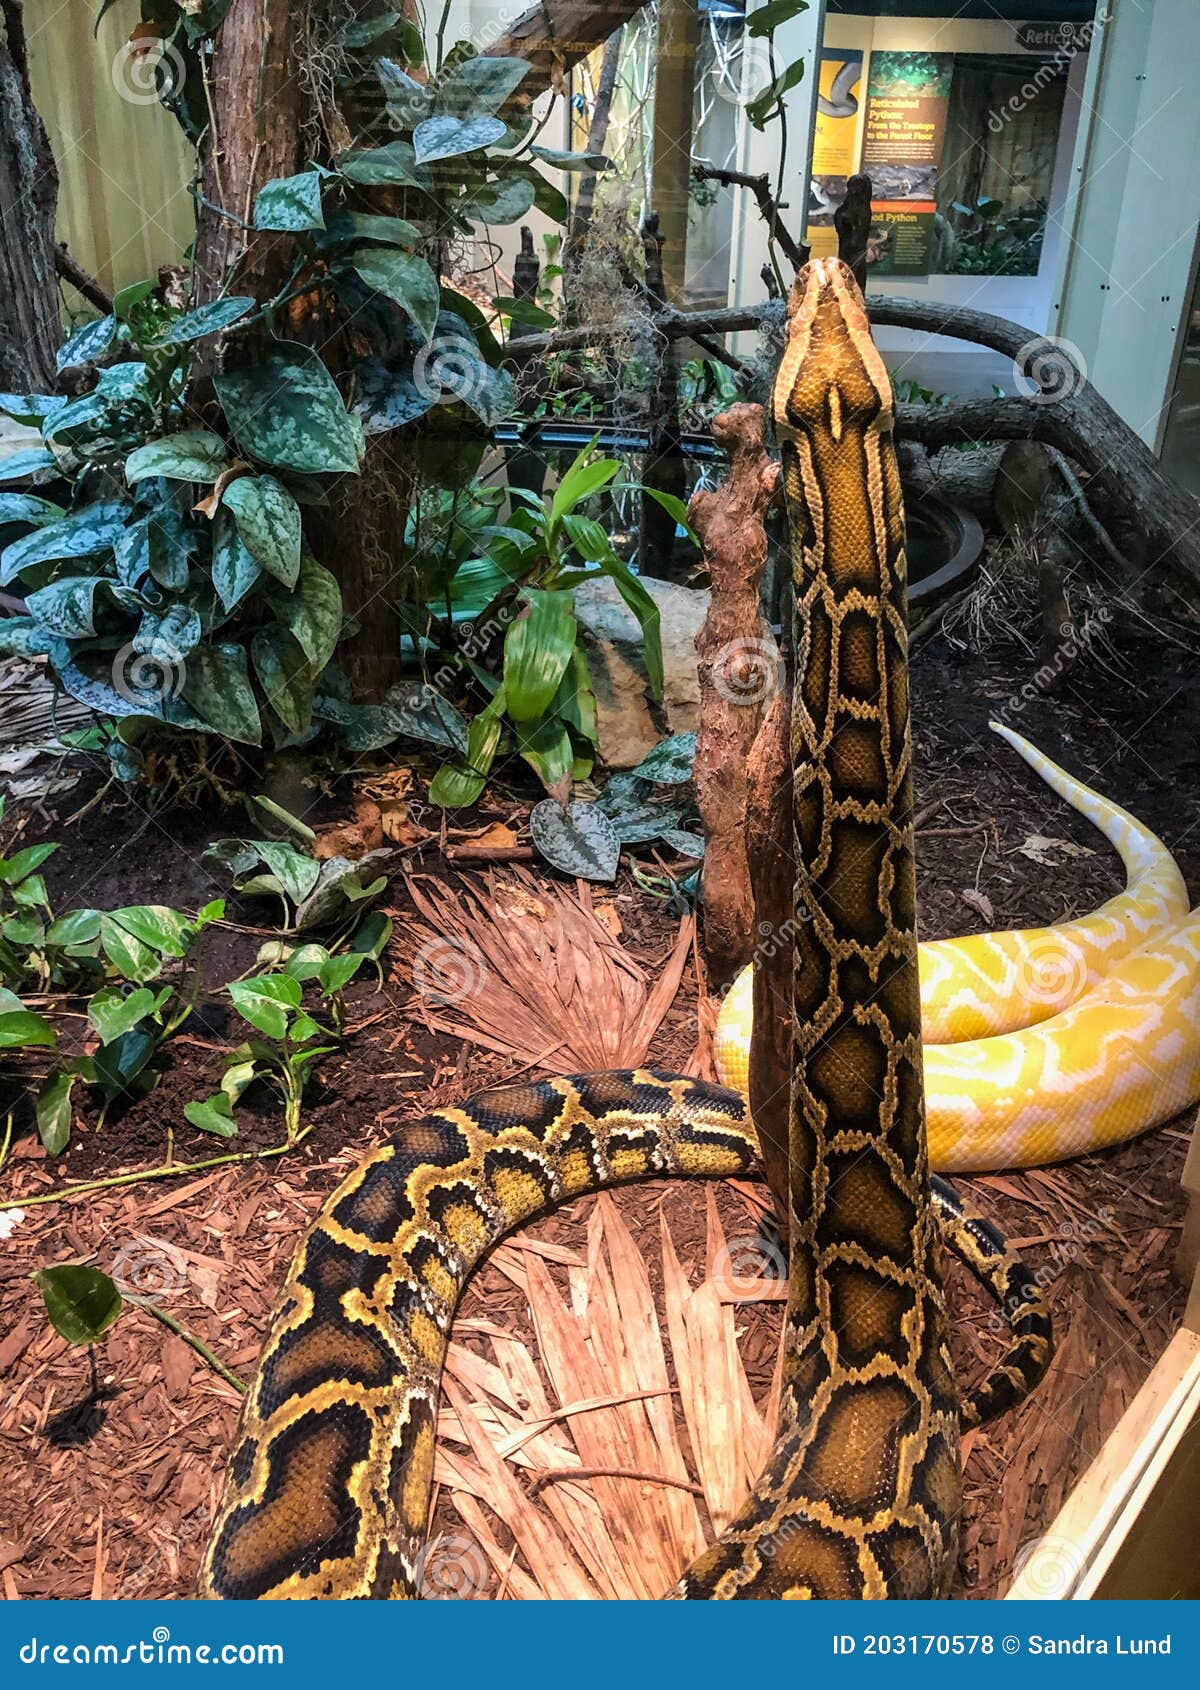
x=176, y=580
x=290, y=1040
x=637, y=807
x=312, y=893
x=542, y=704
x=81, y=1302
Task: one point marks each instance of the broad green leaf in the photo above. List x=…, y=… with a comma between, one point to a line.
x=82, y=1302
x=537, y=649
x=577, y=838
x=234, y=570
x=546, y=747
x=686, y=843
x=87, y=532
x=767, y=19
x=112, y=1013
x=290, y=203
x=372, y=935
x=268, y=520
x=206, y=319
x=286, y=411
x=212, y=1114
x=389, y=398
x=408, y=101
x=647, y=613
x=267, y=1002
x=481, y=85
x=524, y=311
x=402, y=276
x=127, y=954
x=237, y=1078
x=285, y=675
x=304, y=1028
x=501, y=202
x=296, y=872
x=634, y=817
x=117, y=1066
x=340, y=883
x=392, y=166
x=311, y=612
x=673, y=507
x=306, y=962
x=575, y=703
x=194, y=455
x=670, y=763
x=25, y=462
x=52, y=1109
x=76, y=927
x=25, y=1027
x=30, y=409
x=126, y=300
x=580, y=482
x=67, y=607
x=87, y=344
x=14, y=869
x=364, y=226
x=451, y=137
x=763, y=106
x=218, y=688
x=157, y=925
x=459, y=783
x=337, y=971
x=25, y=507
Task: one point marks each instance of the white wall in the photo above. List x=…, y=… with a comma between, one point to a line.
x=1135, y=208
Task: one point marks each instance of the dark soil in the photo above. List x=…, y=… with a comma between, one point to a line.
x=1134, y=739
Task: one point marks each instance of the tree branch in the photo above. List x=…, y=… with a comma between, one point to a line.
x=760, y=187
x=74, y=273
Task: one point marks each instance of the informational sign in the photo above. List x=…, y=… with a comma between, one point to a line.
x=835, y=145
x=908, y=96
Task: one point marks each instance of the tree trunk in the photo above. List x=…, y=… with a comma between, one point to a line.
x=258, y=107
x=29, y=307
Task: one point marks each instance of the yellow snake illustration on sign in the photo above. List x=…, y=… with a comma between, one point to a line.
x=328, y=1486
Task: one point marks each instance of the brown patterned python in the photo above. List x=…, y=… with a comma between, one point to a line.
x=328, y=1487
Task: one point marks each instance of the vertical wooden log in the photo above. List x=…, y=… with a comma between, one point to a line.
x=738, y=669
x=29, y=309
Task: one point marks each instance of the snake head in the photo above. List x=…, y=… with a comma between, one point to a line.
x=831, y=374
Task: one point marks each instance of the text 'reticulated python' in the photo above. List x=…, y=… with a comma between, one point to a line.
x=328, y=1487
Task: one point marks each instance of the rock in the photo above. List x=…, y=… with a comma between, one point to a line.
x=630, y=722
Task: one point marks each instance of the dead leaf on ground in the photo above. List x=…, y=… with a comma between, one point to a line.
x=978, y=901
x=1041, y=848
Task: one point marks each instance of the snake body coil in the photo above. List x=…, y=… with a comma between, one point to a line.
x=329, y=1483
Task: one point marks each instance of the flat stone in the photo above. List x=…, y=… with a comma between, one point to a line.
x=629, y=720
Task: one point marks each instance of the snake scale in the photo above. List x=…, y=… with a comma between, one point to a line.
x=328, y=1486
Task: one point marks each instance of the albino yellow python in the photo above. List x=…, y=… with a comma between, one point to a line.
x=328, y=1487
x=1094, y=1024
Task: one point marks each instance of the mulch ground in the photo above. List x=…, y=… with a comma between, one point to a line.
x=110, y=1484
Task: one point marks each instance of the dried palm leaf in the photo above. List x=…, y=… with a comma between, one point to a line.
x=563, y=1456
x=530, y=971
